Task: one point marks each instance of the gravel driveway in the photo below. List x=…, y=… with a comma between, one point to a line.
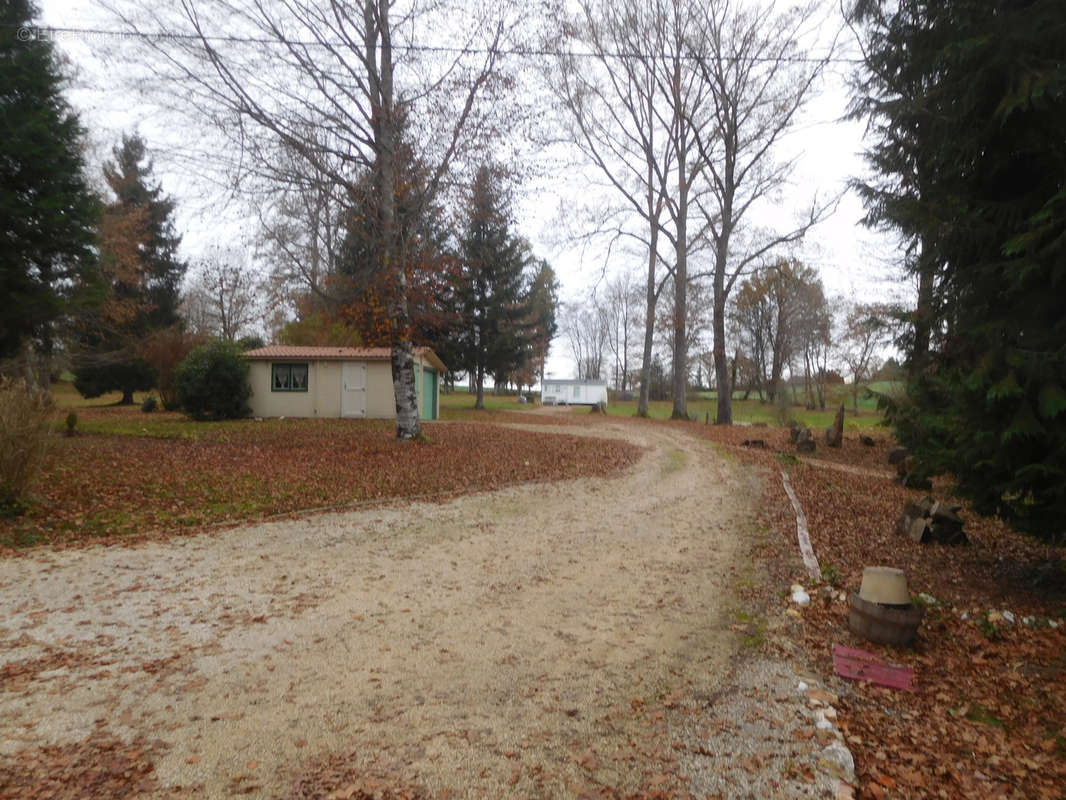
x=518, y=642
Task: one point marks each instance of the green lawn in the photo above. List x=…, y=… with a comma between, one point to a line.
x=67, y=397
x=459, y=404
x=102, y=415
x=835, y=395
x=751, y=411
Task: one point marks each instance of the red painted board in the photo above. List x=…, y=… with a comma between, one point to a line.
x=861, y=665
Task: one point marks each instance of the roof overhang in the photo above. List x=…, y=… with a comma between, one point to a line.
x=294, y=353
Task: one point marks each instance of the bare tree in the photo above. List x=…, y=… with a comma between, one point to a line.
x=690, y=91
x=813, y=338
x=302, y=229
x=761, y=79
x=226, y=294
x=586, y=333
x=620, y=307
x=770, y=310
x=341, y=86
x=752, y=319
x=697, y=324
x=865, y=329
x=631, y=99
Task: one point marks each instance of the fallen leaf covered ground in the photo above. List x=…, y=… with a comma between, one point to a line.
x=176, y=475
x=988, y=717
x=534, y=641
x=99, y=766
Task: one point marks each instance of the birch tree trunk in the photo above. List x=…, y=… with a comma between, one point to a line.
x=649, y=326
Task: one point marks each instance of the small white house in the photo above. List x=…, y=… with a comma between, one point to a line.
x=337, y=382
x=557, y=391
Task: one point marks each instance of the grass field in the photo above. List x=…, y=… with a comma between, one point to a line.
x=459, y=405
x=835, y=394
x=101, y=415
x=67, y=397
x=751, y=411
x=129, y=472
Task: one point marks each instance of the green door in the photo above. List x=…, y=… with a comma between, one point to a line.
x=429, y=393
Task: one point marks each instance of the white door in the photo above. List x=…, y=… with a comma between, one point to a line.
x=353, y=390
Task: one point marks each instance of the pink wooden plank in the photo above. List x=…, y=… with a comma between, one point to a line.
x=861, y=665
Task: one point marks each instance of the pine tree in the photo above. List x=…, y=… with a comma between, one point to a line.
x=366, y=292
x=967, y=99
x=544, y=307
x=47, y=212
x=141, y=269
x=160, y=269
x=494, y=307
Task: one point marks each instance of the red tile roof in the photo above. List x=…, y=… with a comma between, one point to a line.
x=319, y=353
x=275, y=352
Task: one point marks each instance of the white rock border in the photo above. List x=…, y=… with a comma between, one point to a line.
x=809, y=561
x=835, y=758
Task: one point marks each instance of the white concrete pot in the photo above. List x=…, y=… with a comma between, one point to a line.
x=885, y=585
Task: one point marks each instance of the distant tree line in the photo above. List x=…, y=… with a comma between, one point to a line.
x=784, y=336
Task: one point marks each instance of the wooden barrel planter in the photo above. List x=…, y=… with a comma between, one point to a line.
x=884, y=624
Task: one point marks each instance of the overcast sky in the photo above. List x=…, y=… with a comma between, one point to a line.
x=853, y=261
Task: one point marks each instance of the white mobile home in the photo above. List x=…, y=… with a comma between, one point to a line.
x=337, y=382
x=558, y=392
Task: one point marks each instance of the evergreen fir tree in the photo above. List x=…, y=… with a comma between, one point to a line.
x=161, y=271
x=544, y=306
x=967, y=99
x=365, y=292
x=494, y=307
x=47, y=212
x=142, y=272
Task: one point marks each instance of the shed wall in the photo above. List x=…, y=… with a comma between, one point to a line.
x=322, y=398
x=380, y=396
x=323, y=395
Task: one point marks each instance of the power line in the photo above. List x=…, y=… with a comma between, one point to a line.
x=29, y=33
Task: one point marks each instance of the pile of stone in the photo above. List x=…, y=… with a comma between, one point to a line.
x=801, y=437
x=897, y=455
x=929, y=520
x=903, y=461
x=834, y=434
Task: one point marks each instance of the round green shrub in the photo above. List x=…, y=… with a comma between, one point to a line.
x=213, y=383
x=149, y=404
